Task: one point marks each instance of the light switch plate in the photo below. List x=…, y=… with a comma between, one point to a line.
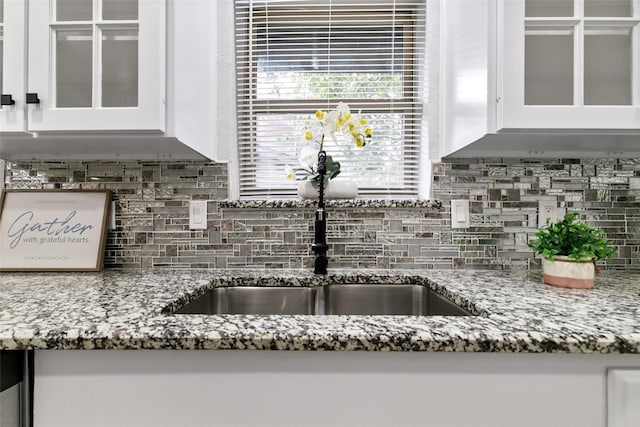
x=198, y=214
x=460, y=214
x=112, y=216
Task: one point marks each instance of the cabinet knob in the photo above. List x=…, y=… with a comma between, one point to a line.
x=32, y=98
x=7, y=100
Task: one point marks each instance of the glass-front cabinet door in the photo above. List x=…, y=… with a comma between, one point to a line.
x=571, y=64
x=12, y=62
x=96, y=65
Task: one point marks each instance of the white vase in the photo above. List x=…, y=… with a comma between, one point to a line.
x=333, y=189
x=568, y=273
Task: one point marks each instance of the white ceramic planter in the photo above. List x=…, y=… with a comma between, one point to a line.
x=334, y=189
x=569, y=273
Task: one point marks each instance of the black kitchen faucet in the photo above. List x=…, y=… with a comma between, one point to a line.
x=320, y=244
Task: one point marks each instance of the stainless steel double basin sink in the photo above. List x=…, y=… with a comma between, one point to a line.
x=363, y=299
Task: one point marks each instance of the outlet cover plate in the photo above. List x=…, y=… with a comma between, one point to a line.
x=546, y=210
x=198, y=214
x=460, y=214
x=549, y=209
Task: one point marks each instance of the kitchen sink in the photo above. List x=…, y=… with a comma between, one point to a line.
x=392, y=299
x=364, y=299
x=254, y=300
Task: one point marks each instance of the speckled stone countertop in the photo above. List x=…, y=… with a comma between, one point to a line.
x=339, y=203
x=131, y=309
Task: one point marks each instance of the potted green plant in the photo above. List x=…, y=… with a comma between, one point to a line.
x=570, y=250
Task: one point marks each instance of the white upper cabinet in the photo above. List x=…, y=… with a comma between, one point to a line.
x=571, y=64
x=467, y=98
x=539, y=77
x=12, y=62
x=91, y=65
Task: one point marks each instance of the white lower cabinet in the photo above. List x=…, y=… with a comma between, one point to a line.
x=157, y=388
x=623, y=397
x=9, y=407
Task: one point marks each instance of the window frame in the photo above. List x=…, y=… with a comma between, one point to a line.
x=411, y=105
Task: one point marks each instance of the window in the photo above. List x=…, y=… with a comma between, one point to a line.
x=295, y=57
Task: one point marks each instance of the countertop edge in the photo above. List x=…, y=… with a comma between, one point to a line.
x=491, y=293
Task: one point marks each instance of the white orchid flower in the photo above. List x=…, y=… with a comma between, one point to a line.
x=342, y=109
x=289, y=173
x=330, y=123
x=308, y=156
x=339, y=120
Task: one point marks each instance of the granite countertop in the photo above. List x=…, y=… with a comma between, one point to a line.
x=130, y=309
x=331, y=203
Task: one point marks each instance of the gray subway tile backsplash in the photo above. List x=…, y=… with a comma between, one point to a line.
x=152, y=228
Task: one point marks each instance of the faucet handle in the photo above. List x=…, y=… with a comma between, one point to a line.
x=322, y=163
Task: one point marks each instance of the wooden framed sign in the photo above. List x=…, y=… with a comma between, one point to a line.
x=49, y=230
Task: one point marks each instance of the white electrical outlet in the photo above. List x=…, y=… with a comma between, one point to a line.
x=460, y=214
x=198, y=214
x=548, y=209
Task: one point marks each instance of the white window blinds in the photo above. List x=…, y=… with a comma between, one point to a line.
x=294, y=57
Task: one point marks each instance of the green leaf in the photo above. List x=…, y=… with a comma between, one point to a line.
x=571, y=238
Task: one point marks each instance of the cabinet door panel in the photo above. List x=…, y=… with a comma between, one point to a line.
x=550, y=81
x=587, y=79
x=623, y=395
x=12, y=59
x=127, y=67
x=607, y=68
x=546, y=8
x=120, y=9
x=607, y=8
x=73, y=68
x=73, y=10
x=120, y=68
